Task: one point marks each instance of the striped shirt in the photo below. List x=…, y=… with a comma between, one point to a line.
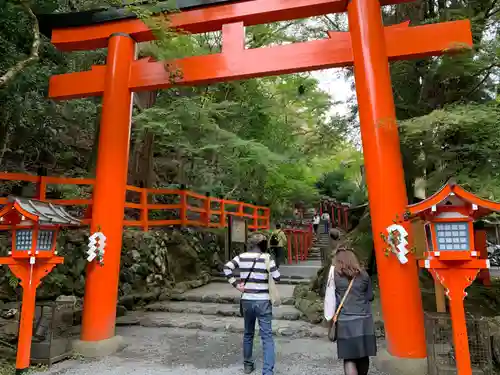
x=257, y=286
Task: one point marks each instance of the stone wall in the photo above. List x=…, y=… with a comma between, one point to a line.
x=150, y=262
x=153, y=266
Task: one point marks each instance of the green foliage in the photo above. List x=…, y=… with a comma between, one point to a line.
x=344, y=181
x=458, y=142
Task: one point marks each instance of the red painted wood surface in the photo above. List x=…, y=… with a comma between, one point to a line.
x=198, y=203
x=233, y=63
x=201, y=20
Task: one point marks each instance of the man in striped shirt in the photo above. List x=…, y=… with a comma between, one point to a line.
x=253, y=283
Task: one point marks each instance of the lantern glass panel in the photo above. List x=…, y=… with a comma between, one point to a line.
x=452, y=236
x=428, y=237
x=24, y=239
x=45, y=239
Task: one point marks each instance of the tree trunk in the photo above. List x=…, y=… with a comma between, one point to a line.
x=143, y=161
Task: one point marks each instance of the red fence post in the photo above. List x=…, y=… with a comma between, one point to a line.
x=346, y=221
x=289, y=246
x=296, y=241
x=183, y=211
x=223, y=216
x=309, y=239
x=41, y=188
x=256, y=217
x=267, y=213
x=144, y=209
x=207, y=204
x=303, y=244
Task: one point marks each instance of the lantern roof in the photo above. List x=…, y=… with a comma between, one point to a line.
x=38, y=211
x=453, y=194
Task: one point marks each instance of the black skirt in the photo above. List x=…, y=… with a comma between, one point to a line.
x=356, y=337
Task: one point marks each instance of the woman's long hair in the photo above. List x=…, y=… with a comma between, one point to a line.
x=346, y=263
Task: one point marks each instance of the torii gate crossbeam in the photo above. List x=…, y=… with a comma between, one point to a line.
x=368, y=46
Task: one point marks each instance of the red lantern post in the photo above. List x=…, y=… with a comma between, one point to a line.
x=452, y=257
x=35, y=226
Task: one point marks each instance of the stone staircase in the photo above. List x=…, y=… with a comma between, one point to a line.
x=320, y=242
x=215, y=308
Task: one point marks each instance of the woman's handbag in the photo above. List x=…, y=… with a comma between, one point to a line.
x=245, y=283
x=330, y=299
x=273, y=289
x=332, y=331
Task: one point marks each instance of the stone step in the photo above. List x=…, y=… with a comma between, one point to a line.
x=210, y=323
x=284, y=281
x=287, y=279
x=225, y=294
x=281, y=312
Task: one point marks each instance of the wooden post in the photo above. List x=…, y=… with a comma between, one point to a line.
x=183, y=212
x=223, y=216
x=456, y=280
x=289, y=246
x=256, y=217
x=26, y=327
x=144, y=210
x=296, y=242
x=101, y=285
x=480, y=245
x=207, y=216
x=346, y=219
x=399, y=284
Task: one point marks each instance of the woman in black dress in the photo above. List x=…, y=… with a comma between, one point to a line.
x=356, y=340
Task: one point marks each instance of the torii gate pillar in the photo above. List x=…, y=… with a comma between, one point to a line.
x=101, y=285
x=399, y=288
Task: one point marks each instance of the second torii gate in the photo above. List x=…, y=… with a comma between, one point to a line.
x=369, y=46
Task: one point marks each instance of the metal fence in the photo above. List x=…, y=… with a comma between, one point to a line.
x=440, y=350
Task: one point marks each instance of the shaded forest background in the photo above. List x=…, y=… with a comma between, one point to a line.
x=272, y=141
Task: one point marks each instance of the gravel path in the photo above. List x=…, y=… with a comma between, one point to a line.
x=173, y=351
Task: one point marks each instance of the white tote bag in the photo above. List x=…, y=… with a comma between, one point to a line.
x=273, y=290
x=330, y=300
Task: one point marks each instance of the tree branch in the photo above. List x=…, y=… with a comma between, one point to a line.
x=35, y=46
x=236, y=186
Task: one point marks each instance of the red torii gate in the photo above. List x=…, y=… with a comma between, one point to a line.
x=368, y=46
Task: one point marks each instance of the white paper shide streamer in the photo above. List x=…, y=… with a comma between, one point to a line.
x=399, y=249
x=97, y=243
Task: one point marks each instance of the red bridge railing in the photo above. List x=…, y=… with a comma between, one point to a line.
x=299, y=243
x=339, y=213
x=186, y=207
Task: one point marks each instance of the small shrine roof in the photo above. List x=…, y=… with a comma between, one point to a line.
x=41, y=212
x=450, y=193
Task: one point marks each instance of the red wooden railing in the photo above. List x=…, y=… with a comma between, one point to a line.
x=299, y=243
x=188, y=204
x=339, y=213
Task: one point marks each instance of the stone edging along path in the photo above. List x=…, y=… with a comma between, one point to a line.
x=212, y=323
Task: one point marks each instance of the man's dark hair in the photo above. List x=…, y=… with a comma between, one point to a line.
x=278, y=226
x=263, y=246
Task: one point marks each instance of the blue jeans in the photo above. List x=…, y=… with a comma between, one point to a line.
x=263, y=312
x=327, y=226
